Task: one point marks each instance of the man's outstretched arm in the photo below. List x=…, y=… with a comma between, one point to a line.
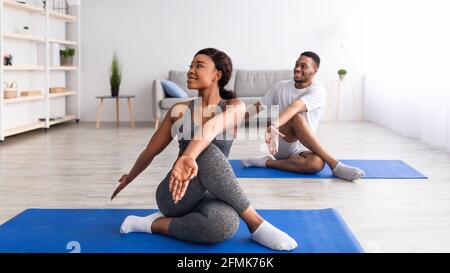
x=253, y=109
x=296, y=107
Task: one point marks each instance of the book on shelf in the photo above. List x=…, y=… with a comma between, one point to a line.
x=54, y=90
x=50, y=119
x=31, y=93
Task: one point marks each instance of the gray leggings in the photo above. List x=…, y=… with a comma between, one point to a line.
x=209, y=211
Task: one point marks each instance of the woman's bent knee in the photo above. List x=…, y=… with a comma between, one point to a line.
x=223, y=227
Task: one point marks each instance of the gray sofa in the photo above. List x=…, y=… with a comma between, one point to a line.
x=249, y=86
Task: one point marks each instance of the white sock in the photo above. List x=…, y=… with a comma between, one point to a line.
x=347, y=172
x=256, y=162
x=139, y=224
x=271, y=237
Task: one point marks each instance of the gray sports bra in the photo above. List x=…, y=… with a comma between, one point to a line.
x=222, y=141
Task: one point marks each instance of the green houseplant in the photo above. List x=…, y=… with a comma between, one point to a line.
x=342, y=72
x=115, y=76
x=67, y=56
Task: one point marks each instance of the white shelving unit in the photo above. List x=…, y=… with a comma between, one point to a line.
x=31, y=38
x=23, y=68
x=35, y=68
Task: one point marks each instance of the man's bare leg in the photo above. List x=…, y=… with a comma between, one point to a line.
x=298, y=129
x=306, y=162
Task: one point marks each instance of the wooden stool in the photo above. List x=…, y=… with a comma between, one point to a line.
x=100, y=108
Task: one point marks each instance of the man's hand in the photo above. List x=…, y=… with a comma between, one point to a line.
x=272, y=138
x=183, y=171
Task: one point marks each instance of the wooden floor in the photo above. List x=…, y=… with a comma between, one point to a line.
x=77, y=166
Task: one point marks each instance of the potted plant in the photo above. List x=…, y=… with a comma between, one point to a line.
x=67, y=56
x=342, y=72
x=115, y=76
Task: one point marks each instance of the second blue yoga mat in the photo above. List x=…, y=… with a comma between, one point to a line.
x=97, y=231
x=374, y=169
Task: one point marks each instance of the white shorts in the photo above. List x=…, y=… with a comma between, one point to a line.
x=287, y=150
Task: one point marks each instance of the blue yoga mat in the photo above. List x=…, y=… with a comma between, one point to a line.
x=97, y=231
x=374, y=169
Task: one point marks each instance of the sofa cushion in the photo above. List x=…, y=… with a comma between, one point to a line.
x=249, y=100
x=254, y=83
x=169, y=102
x=173, y=90
x=180, y=78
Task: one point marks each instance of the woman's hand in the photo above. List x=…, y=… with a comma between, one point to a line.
x=272, y=138
x=124, y=181
x=184, y=169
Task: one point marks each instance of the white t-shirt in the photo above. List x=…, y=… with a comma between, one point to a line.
x=284, y=94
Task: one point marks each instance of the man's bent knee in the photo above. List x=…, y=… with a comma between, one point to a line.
x=314, y=164
x=309, y=164
x=299, y=119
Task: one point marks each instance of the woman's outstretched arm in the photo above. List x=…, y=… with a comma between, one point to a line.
x=158, y=142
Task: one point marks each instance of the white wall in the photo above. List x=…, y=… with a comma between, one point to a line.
x=152, y=37
x=408, y=86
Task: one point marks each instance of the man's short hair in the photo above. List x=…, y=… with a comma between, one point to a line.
x=313, y=56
